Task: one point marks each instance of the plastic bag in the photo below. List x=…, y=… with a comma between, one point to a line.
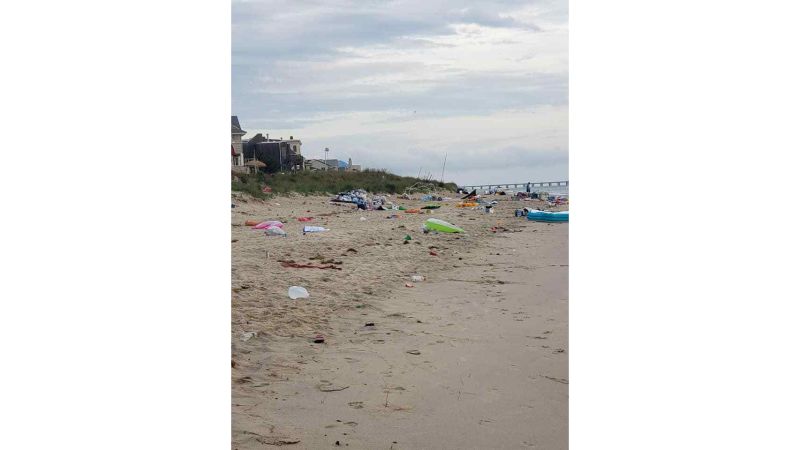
x=296, y=292
x=275, y=231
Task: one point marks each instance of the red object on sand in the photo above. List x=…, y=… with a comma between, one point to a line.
x=266, y=190
x=409, y=285
x=305, y=219
x=319, y=339
x=433, y=253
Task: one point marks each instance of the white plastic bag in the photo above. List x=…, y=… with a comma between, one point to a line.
x=296, y=292
x=275, y=231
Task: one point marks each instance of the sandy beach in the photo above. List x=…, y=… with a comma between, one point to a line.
x=474, y=356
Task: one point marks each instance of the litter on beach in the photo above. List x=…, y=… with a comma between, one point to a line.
x=548, y=216
x=310, y=229
x=268, y=224
x=441, y=225
x=275, y=231
x=296, y=292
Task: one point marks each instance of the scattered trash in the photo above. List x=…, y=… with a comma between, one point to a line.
x=251, y=223
x=472, y=194
x=409, y=285
x=412, y=211
x=309, y=229
x=441, y=225
x=433, y=253
x=407, y=238
x=431, y=198
x=431, y=207
x=362, y=219
x=354, y=196
x=246, y=336
x=413, y=352
x=305, y=219
x=319, y=339
x=547, y=216
x=369, y=324
x=296, y=292
x=417, y=278
x=266, y=190
x=268, y=224
x=275, y=231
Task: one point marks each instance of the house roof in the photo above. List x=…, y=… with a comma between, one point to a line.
x=235, y=127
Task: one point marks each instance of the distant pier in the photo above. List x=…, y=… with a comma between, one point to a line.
x=538, y=184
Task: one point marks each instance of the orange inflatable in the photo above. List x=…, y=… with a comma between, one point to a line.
x=251, y=223
x=466, y=205
x=412, y=211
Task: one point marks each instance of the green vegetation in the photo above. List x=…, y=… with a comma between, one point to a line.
x=318, y=182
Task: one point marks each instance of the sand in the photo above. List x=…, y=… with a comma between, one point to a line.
x=475, y=356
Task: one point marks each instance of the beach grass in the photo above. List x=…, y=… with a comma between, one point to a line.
x=321, y=182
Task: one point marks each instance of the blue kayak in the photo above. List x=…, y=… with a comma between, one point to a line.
x=547, y=216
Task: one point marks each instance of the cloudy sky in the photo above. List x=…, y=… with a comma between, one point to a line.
x=396, y=84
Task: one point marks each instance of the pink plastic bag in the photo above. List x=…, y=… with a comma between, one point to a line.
x=267, y=224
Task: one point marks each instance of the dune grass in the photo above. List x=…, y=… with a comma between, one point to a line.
x=319, y=182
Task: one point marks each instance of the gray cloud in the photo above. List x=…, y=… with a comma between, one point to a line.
x=298, y=64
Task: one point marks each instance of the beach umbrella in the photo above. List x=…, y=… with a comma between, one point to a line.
x=255, y=164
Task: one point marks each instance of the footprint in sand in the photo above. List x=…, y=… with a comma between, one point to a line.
x=356, y=405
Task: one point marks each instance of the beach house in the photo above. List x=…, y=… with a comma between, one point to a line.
x=237, y=156
x=279, y=155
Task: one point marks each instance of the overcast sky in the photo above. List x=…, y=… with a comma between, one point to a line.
x=397, y=84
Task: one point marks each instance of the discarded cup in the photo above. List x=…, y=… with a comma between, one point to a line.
x=296, y=292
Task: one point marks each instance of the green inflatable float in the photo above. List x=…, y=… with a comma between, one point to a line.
x=441, y=225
